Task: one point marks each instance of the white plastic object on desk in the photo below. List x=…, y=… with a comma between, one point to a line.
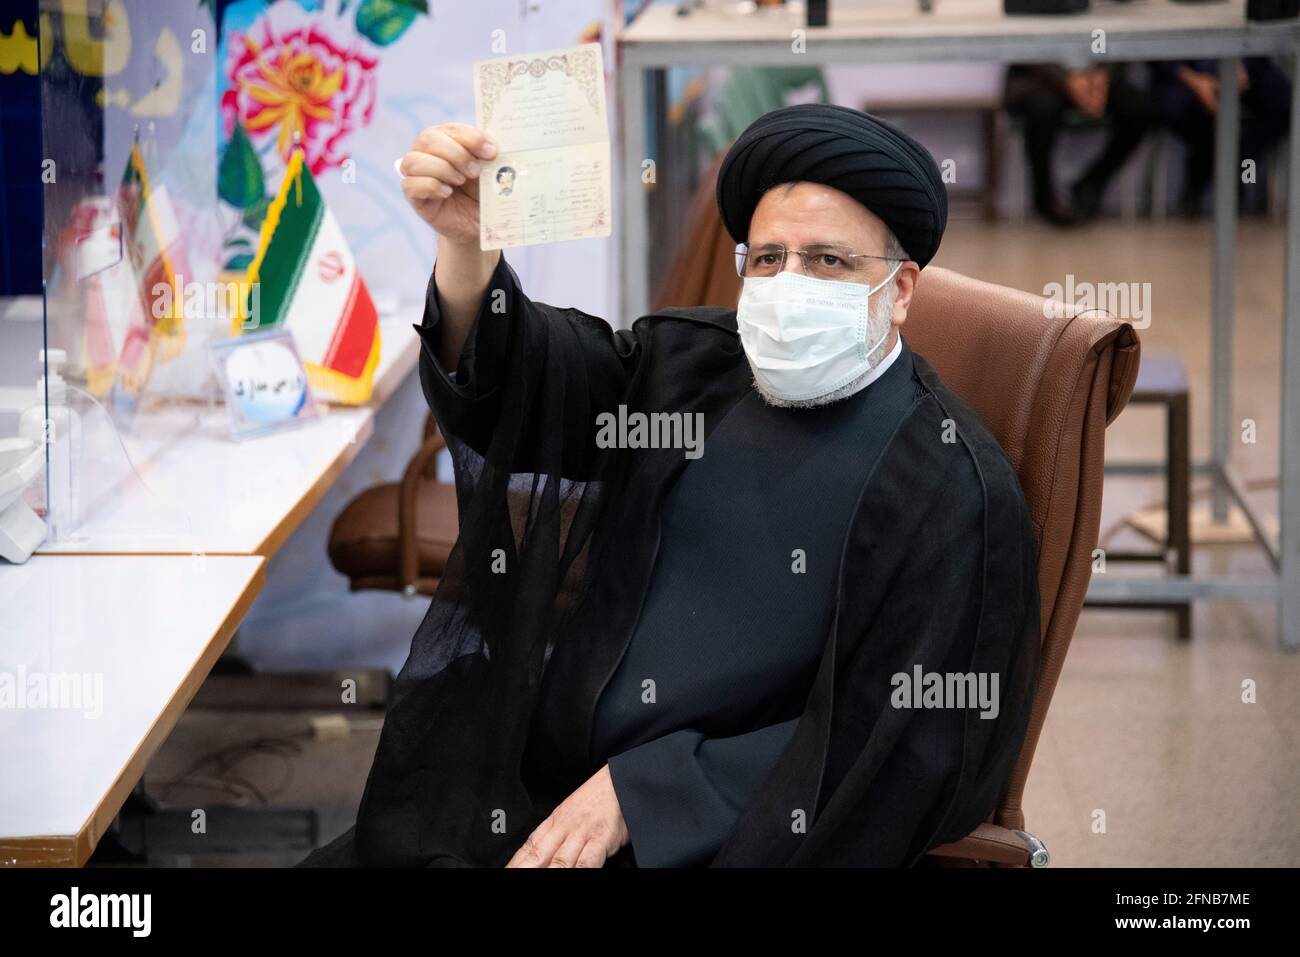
x=21, y=529
x=58, y=426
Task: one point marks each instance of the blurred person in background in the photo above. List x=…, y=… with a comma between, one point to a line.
x=1186, y=94
x=1047, y=97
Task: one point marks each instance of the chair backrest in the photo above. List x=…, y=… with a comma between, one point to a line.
x=1046, y=381
x=703, y=269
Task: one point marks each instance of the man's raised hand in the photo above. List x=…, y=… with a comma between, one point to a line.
x=440, y=178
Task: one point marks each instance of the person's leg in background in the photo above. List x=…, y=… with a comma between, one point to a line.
x=1265, y=115
x=1129, y=115
x=1040, y=108
x=1183, y=114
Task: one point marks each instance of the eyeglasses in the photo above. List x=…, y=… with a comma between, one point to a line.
x=821, y=260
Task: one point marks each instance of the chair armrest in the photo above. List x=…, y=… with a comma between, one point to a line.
x=996, y=845
x=421, y=467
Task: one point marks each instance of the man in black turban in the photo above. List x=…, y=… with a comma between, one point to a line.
x=733, y=586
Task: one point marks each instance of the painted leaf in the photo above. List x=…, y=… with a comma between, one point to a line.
x=383, y=21
x=239, y=177
x=256, y=212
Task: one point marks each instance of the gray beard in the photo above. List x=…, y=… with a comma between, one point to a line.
x=878, y=323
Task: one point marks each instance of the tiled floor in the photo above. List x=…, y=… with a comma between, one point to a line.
x=1149, y=756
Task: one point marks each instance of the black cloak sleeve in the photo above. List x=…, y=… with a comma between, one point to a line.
x=520, y=420
x=682, y=793
x=468, y=405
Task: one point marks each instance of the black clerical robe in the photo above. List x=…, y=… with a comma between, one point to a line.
x=734, y=622
x=493, y=716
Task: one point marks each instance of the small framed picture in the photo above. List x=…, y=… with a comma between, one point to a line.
x=264, y=382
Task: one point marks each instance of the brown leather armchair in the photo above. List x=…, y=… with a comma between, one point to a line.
x=1046, y=382
x=397, y=536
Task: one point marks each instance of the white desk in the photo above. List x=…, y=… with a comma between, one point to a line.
x=205, y=493
x=199, y=491
x=146, y=629
x=146, y=597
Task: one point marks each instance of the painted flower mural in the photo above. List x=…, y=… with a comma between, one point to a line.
x=294, y=70
x=298, y=82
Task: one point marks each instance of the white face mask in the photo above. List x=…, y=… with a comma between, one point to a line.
x=807, y=337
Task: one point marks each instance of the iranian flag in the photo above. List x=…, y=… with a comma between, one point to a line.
x=304, y=278
x=151, y=240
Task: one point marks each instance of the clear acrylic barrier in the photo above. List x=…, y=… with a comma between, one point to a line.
x=22, y=417
x=133, y=236
x=112, y=502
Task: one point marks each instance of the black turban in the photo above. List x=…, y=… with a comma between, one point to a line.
x=881, y=167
